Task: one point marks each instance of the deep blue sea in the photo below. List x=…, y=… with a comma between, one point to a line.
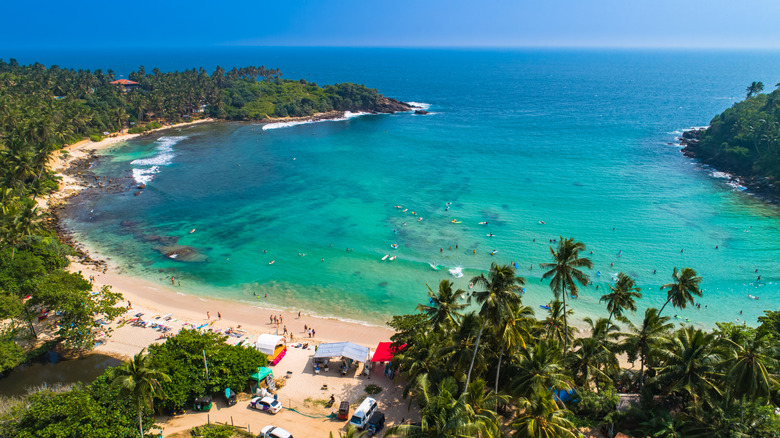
x=537, y=143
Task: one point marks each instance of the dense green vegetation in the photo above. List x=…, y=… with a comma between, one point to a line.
x=503, y=371
x=60, y=106
x=121, y=401
x=746, y=137
x=181, y=358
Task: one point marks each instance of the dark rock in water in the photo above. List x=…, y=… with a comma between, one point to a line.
x=383, y=284
x=126, y=223
x=181, y=253
x=578, y=184
x=421, y=112
x=152, y=238
x=142, y=186
x=137, y=193
x=390, y=105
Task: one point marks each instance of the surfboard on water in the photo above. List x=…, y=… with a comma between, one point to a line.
x=393, y=258
x=433, y=265
x=386, y=256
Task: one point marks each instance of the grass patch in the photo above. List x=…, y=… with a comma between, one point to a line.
x=314, y=402
x=373, y=389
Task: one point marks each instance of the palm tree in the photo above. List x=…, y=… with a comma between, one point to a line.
x=141, y=382
x=446, y=306
x=748, y=366
x=644, y=341
x=754, y=88
x=539, y=368
x=566, y=273
x=501, y=295
x=541, y=418
x=681, y=291
x=622, y=296
x=595, y=356
x=457, y=352
x=513, y=334
x=443, y=415
x=689, y=365
x=553, y=325
x=483, y=401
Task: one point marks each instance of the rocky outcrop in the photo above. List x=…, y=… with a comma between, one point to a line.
x=390, y=106
x=765, y=188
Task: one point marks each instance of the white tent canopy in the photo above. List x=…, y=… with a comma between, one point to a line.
x=343, y=349
x=266, y=343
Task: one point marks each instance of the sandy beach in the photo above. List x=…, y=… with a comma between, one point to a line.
x=168, y=304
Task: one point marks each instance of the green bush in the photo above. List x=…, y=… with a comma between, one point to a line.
x=153, y=125
x=136, y=130
x=181, y=358
x=96, y=137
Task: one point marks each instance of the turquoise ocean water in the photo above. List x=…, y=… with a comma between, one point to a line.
x=578, y=140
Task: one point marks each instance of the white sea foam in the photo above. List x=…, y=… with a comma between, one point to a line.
x=419, y=105
x=163, y=157
x=718, y=174
x=347, y=115
x=144, y=175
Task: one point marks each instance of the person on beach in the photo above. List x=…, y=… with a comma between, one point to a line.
x=173, y=282
x=219, y=315
x=129, y=305
x=208, y=315
x=285, y=330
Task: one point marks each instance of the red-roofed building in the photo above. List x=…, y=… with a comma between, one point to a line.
x=126, y=84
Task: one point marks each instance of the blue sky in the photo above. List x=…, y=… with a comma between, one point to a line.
x=393, y=23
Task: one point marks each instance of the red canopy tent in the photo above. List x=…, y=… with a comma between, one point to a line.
x=384, y=352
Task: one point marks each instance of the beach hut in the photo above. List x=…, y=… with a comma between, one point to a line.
x=273, y=346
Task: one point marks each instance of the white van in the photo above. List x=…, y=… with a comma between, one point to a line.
x=363, y=413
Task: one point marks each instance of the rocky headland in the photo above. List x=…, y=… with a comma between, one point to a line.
x=761, y=186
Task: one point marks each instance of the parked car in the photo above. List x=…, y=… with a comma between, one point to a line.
x=274, y=432
x=267, y=404
x=363, y=413
x=375, y=423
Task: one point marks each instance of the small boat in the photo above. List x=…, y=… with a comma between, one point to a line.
x=545, y=307
x=483, y=223
x=752, y=297
x=455, y=221
x=386, y=256
x=192, y=230
x=393, y=258
x=434, y=267
x=541, y=222
x=404, y=210
x=456, y=272
x=272, y=262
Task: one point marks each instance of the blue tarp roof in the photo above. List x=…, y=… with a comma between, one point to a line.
x=343, y=349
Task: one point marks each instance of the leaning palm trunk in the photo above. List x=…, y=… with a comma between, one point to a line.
x=474, y=356
x=565, y=324
x=667, y=302
x=498, y=369
x=140, y=422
